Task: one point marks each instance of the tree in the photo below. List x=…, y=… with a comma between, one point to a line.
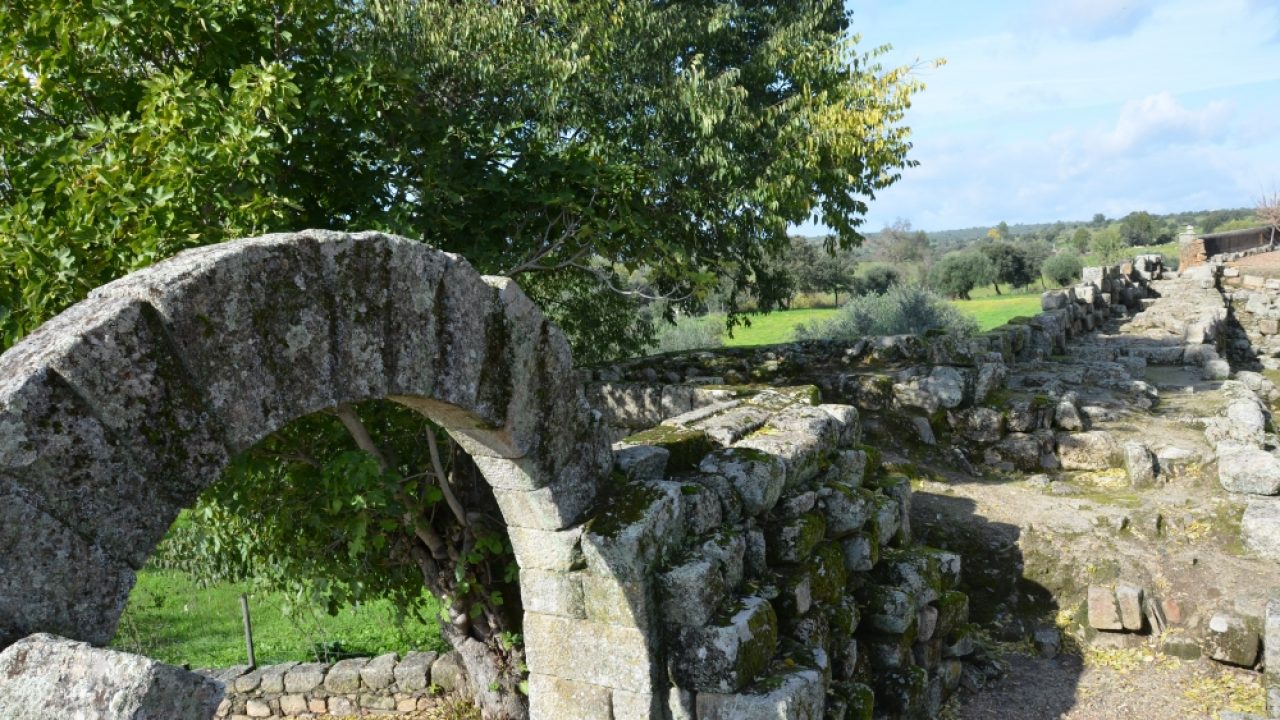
x=570, y=145
x=1080, y=240
x=1062, y=269
x=899, y=245
x=1098, y=220
x=877, y=280
x=1109, y=246
x=1037, y=251
x=817, y=271
x=1009, y=264
x=957, y=273
x=1138, y=228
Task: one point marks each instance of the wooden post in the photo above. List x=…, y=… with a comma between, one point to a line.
x=248, y=629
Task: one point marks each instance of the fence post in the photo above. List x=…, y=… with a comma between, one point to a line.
x=248, y=629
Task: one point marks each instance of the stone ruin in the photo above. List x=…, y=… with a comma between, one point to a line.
x=700, y=536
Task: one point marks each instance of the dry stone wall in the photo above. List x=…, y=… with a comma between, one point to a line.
x=351, y=687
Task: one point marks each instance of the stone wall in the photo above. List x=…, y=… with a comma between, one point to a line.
x=346, y=688
x=1255, y=305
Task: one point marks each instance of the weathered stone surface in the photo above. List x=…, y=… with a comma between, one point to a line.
x=1104, y=611
x=1091, y=450
x=725, y=655
x=449, y=674
x=552, y=593
x=552, y=697
x=50, y=677
x=344, y=677
x=1229, y=639
x=1139, y=464
x=379, y=673
x=795, y=694
x=413, y=673
x=1260, y=527
x=586, y=651
x=304, y=678
x=645, y=463
x=1129, y=599
x=941, y=388
x=1246, y=469
x=757, y=477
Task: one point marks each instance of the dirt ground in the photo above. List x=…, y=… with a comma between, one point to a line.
x=1265, y=264
x=1117, y=685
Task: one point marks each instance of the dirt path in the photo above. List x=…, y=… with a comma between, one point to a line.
x=1120, y=685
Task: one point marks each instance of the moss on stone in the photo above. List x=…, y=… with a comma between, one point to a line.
x=686, y=445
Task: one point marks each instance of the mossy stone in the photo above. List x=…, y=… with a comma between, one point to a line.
x=686, y=445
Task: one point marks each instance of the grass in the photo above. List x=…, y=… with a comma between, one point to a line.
x=172, y=619
x=989, y=309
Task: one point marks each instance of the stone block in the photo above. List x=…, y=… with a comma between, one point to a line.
x=449, y=674
x=1229, y=639
x=794, y=540
x=1245, y=469
x=1129, y=599
x=861, y=551
x=344, y=677
x=1139, y=464
x=887, y=610
x=379, y=673
x=293, y=704
x=552, y=593
x=586, y=651
x=726, y=654
x=1260, y=527
x=414, y=671
x=50, y=677
x=691, y=591
x=642, y=463
x=555, y=550
x=793, y=694
x=1091, y=450
x=302, y=679
x=1104, y=611
x=635, y=529
x=757, y=477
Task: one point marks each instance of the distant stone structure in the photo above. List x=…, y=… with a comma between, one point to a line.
x=1196, y=249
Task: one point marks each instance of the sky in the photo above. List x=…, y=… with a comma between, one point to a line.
x=1058, y=109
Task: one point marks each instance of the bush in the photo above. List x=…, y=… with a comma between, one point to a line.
x=1062, y=269
x=690, y=333
x=902, y=310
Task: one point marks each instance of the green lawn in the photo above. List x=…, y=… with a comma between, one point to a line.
x=776, y=327
x=993, y=312
x=171, y=619
x=989, y=309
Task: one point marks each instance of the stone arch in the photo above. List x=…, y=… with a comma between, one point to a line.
x=118, y=412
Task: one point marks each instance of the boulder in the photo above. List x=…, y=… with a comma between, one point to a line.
x=1245, y=469
x=1139, y=464
x=1229, y=639
x=1092, y=450
x=46, y=676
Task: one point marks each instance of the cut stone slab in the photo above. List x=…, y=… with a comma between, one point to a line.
x=1139, y=464
x=757, y=476
x=1104, y=611
x=1092, y=450
x=1129, y=598
x=46, y=676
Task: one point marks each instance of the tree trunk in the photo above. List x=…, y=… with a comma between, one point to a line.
x=494, y=675
x=997, y=287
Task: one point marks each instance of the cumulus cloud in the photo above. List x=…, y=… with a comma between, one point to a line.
x=1096, y=19
x=1161, y=119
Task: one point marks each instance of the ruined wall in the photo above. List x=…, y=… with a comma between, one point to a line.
x=1255, y=305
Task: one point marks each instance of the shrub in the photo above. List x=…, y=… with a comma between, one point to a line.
x=1062, y=269
x=902, y=310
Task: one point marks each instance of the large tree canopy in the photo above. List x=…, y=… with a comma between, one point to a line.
x=569, y=144
x=566, y=143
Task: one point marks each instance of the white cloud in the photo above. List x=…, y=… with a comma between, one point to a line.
x=1161, y=119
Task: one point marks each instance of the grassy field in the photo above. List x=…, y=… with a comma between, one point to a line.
x=989, y=309
x=172, y=619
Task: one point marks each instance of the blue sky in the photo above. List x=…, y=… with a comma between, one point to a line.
x=1057, y=109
